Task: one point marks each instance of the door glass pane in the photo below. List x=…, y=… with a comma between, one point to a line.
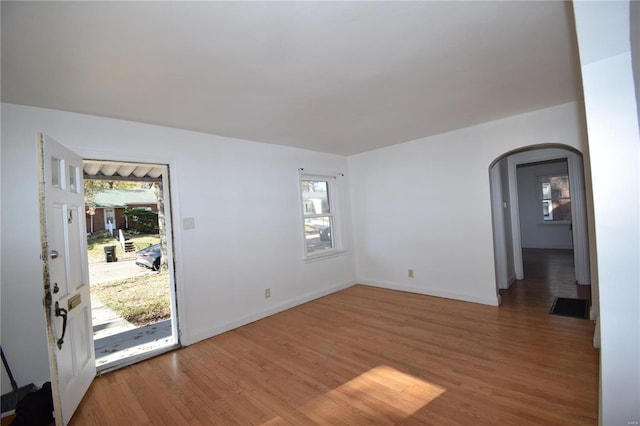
x=73, y=179
x=55, y=172
x=317, y=233
x=315, y=197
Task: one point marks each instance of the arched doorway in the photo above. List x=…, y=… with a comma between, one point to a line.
x=506, y=214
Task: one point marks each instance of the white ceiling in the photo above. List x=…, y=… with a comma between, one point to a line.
x=341, y=77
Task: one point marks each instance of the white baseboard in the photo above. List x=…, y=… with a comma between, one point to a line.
x=189, y=339
x=493, y=301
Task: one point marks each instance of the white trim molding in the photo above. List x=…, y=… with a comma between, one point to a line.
x=578, y=209
x=499, y=234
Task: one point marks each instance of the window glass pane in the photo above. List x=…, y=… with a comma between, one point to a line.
x=546, y=210
x=561, y=209
x=317, y=234
x=73, y=179
x=556, y=198
x=55, y=172
x=546, y=190
x=315, y=197
x=559, y=187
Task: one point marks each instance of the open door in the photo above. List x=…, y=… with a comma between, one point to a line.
x=67, y=298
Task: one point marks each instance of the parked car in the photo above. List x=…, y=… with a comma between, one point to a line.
x=325, y=233
x=149, y=257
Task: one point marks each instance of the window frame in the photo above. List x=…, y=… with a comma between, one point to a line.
x=543, y=200
x=333, y=214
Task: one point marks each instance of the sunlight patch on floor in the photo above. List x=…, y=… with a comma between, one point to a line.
x=382, y=393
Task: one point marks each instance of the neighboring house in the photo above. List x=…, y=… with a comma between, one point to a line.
x=108, y=207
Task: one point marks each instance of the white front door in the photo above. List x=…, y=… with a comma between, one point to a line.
x=65, y=276
x=109, y=220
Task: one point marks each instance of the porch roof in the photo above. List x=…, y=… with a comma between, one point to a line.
x=124, y=197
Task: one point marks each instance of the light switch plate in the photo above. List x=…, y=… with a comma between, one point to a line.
x=188, y=223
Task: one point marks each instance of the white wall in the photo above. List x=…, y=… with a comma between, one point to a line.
x=534, y=232
x=244, y=197
x=634, y=11
x=612, y=122
x=22, y=320
x=425, y=204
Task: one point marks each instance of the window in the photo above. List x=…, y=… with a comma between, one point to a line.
x=319, y=217
x=556, y=198
x=56, y=165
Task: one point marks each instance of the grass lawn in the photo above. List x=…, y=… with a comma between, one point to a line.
x=140, y=300
x=97, y=241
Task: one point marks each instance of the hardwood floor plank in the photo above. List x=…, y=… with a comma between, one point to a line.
x=368, y=355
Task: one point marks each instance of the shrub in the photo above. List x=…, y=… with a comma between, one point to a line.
x=142, y=220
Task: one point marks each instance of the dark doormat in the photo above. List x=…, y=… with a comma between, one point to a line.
x=577, y=308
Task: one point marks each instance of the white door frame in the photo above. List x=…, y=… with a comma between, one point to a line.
x=499, y=234
x=578, y=208
x=169, y=230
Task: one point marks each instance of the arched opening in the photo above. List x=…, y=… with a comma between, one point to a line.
x=506, y=214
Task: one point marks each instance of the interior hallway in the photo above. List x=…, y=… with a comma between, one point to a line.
x=548, y=274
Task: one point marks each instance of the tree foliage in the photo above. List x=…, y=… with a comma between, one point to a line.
x=142, y=220
x=158, y=189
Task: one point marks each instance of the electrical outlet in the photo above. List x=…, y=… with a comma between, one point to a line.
x=267, y=293
x=410, y=273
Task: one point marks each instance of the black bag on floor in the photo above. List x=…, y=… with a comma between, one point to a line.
x=36, y=408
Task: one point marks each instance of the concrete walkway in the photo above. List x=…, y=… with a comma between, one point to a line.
x=114, y=337
x=105, y=321
x=133, y=342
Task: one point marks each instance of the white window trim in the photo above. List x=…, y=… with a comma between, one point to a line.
x=334, y=203
x=314, y=257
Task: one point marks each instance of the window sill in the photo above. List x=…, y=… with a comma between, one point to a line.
x=323, y=255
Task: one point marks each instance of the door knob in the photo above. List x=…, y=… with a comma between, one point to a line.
x=61, y=312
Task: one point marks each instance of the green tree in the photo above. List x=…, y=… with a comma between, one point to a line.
x=159, y=191
x=142, y=220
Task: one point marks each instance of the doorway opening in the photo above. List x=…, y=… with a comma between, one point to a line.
x=549, y=274
x=129, y=243
x=549, y=167
x=544, y=205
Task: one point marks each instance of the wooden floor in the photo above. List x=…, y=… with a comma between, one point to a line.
x=373, y=356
